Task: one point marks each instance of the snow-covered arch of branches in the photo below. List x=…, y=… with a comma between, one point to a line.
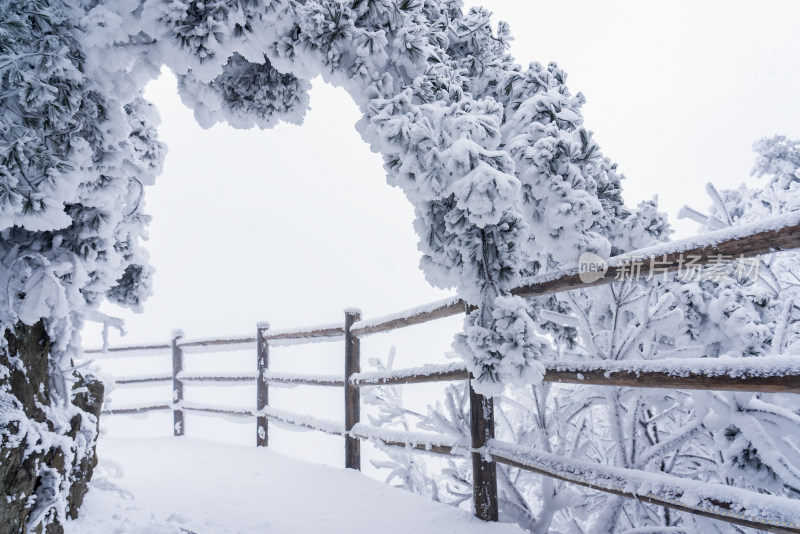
x=505, y=180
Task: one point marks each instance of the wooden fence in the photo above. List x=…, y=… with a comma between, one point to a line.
x=733, y=505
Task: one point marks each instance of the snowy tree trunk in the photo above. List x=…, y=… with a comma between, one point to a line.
x=29, y=469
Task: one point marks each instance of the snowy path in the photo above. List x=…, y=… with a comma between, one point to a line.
x=180, y=486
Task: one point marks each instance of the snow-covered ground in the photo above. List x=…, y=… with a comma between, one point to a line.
x=184, y=485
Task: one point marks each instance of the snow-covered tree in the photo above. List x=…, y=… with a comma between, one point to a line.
x=752, y=312
x=75, y=155
x=729, y=438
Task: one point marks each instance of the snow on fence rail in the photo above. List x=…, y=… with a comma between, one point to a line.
x=770, y=374
x=416, y=375
x=335, y=331
x=303, y=379
x=138, y=408
x=717, y=501
x=746, y=241
x=129, y=351
x=143, y=379
x=206, y=377
x=762, y=374
x=231, y=343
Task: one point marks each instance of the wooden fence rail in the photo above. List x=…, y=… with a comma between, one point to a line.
x=763, y=374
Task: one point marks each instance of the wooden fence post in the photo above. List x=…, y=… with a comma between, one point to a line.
x=352, y=396
x=262, y=388
x=484, y=473
x=178, y=426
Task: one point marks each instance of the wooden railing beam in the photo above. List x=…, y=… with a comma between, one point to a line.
x=670, y=261
x=330, y=382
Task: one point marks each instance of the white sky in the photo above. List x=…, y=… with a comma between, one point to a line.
x=295, y=224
